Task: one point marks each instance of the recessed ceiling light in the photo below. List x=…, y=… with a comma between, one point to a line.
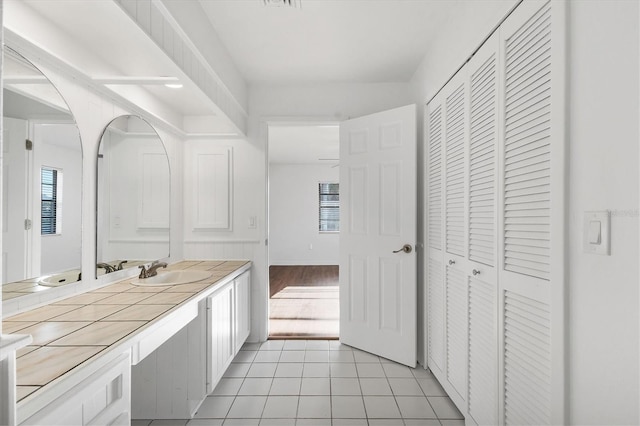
x=173, y=85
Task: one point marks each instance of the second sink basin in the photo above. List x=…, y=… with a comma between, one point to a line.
x=173, y=278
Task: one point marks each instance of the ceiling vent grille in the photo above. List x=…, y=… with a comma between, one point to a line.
x=282, y=3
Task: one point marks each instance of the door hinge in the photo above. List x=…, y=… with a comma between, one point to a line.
x=266, y=242
x=27, y=224
x=28, y=145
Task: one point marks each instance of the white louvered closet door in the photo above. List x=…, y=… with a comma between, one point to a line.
x=435, y=212
x=495, y=223
x=531, y=276
x=447, y=172
x=456, y=122
x=482, y=272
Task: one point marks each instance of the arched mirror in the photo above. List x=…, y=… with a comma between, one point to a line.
x=133, y=206
x=42, y=183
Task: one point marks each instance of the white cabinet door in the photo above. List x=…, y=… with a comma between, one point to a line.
x=220, y=346
x=242, y=327
x=103, y=398
x=378, y=220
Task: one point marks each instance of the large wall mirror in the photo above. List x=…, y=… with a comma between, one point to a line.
x=133, y=206
x=42, y=183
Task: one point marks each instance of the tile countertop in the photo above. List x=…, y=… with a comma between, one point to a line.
x=70, y=332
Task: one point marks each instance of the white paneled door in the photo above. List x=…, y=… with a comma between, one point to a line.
x=15, y=195
x=378, y=234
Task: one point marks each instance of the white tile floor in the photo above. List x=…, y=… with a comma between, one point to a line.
x=318, y=383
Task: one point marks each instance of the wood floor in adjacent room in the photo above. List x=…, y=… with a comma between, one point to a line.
x=304, y=302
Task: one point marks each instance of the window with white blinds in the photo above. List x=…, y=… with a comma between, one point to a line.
x=329, y=202
x=49, y=201
x=527, y=157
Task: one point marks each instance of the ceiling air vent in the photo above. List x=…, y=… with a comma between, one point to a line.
x=282, y=3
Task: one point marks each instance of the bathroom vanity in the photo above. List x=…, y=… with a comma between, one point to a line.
x=127, y=351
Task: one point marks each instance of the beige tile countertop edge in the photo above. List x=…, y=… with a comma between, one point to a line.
x=9, y=343
x=165, y=325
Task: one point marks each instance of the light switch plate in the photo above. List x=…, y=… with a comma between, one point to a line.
x=591, y=242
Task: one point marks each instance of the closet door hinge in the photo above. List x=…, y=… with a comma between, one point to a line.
x=28, y=145
x=27, y=224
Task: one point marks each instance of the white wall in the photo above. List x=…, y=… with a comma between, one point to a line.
x=294, y=238
x=603, y=163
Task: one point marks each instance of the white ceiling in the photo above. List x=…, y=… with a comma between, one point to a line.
x=323, y=41
x=300, y=144
x=335, y=40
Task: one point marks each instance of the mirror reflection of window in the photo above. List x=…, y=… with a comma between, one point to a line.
x=50, y=201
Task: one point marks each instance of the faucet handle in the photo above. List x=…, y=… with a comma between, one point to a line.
x=143, y=272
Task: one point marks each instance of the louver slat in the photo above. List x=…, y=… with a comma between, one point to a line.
x=436, y=305
x=527, y=187
x=482, y=165
x=455, y=171
x=435, y=179
x=483, y=353
x=527, y=364
x=456, y=328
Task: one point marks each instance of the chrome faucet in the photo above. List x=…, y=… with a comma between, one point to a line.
x=108, y=268
x=152, y=271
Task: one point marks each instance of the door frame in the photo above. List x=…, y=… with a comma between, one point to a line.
x=265, y=122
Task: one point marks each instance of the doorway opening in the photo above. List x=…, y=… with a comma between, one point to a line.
x=303, y=211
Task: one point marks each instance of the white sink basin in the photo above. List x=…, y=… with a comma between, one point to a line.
x=173, y=278
x=58, y=280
